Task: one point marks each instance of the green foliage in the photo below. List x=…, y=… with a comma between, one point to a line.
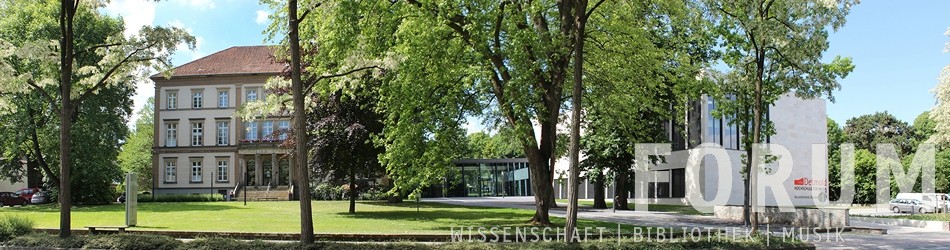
x=180, y=198
x=136, y=154
x=132, y=242
x=503, y=144
x=14, y=225
x=940, y=114
x=867, y=131
x=136, y=241
x=325, y=191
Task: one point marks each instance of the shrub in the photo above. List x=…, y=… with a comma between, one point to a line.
x=373, y=194
x=13, y=226
x=131, y=242
x=42, y=240
x=180, y=198
x=327, y=192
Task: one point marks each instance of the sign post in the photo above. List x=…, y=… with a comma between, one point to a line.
x=131, y=201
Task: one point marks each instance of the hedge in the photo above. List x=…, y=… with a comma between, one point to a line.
x=142, y=241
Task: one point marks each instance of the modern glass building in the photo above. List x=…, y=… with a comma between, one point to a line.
x=485, y=177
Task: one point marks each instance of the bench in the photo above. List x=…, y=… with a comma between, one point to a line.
x=95, y=229
x=267, y=199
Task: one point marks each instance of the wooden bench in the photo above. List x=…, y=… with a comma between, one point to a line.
x=267, y=199
x=95, y=229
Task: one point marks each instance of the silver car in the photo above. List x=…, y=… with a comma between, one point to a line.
x=911, y=206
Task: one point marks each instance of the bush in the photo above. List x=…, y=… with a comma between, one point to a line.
x=12, y=226
x=42, y=240
x=373, y=194
x=180, y=198
x=326, y=192
x=131, y=242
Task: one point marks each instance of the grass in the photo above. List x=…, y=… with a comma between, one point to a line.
x=680, y=209
x=934, y=217
x=283, y=217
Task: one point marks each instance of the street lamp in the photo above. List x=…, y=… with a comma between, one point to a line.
x=212, y=184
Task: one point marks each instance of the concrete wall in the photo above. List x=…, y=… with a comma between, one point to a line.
x=801, y=217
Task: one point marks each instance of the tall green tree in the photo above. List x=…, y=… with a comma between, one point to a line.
x=136, y=154
x=835, y=139
x=772, y=48
x=75, y=81
x=867, y=131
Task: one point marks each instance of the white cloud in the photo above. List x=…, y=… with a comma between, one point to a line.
x=136, y=13
x=261, y=16
x=198, y=4
x=183, y=48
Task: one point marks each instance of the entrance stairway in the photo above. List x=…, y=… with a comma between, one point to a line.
x=264, y=193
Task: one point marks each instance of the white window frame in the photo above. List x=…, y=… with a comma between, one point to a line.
x=197, y=134
x=171, y=99
x=268, y=130
x=171, y=171
x=197, y=99
x=222, y=175
x=250, y=131
x=196, y=171
x=284, y=127
x=171, y=134
x=223, y=99
x=222, y=133
x=248, y=95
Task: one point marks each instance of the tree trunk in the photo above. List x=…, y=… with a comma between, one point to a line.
x=538, y=171
x=352, y=191
x=580, y=22
x=553, y=200
x=756, y=137
x=599, y=192
x=300, y=131
x=620, y=192
x=67, y=12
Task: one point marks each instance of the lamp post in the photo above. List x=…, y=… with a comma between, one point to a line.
x=246, y=177
x=212, y=184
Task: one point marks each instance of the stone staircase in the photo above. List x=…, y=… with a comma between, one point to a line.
x=263, y=193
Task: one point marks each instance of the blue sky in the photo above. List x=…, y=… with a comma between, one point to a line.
x=897, y=47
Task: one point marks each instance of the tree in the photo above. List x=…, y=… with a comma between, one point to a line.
x=773, y=48
x=867, y=131
x=835, y=139
x=122, y=61
x=343, y=128
x=300, y=131
x=940, y=114
x=136, y=153
x=499, y=145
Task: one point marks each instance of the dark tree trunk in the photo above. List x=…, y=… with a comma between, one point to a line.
x=67, y=12
x=542, y=191
x=599, y=192
x=300, y=131
x=352, y=191
x=620, y=192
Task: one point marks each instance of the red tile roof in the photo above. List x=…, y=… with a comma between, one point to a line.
x=235, y=60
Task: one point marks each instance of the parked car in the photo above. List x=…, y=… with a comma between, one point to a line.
x=42, y=197
x=121, y=199
x=912, y=206
x=27, y=193
x=12, y=199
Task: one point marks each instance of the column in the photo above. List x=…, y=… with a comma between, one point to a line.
x=241, y=170
x=274, y=170
x=258, y=171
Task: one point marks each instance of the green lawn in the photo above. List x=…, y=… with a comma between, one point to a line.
x=680, y=209
x=936, y=217
x=328, y=217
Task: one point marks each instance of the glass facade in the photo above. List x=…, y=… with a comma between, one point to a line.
x=485, y=177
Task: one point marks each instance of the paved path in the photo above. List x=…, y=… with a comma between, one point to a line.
x=896, y=238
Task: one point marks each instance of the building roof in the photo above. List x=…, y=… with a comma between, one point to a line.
x=237, y=60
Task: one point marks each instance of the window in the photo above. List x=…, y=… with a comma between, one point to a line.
x=250, y=131
x=196, y=170
x=170, y=171
x=284, y=129
x=223, y=133
x=251, y=95
x=171, y=134
x=222, y=170
x=196, y=133
x=196, y=99
x=268, y=130
x=172, y=100
x=714, y=125
x=222, y=98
